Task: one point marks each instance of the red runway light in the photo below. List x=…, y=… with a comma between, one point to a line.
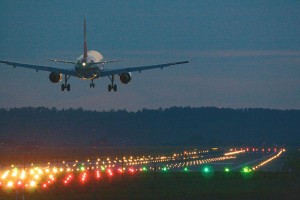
x=67, y=179
x=109, y=172
x=131, y=170
x=97, y=174
x=83, y=177
x=120, y=170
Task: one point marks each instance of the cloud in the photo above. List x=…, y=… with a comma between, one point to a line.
x=243, y=53
x=213, y=53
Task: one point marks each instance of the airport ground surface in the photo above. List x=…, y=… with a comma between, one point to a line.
x=169, y=173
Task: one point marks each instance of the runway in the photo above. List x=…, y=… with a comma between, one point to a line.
x=205, y=161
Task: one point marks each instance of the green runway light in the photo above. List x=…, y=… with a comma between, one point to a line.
x=164, y=169
x=226, y=169
x=206, y=170
x=246, y=170
x=186, y=169
x=82, y=168
x=144, y=169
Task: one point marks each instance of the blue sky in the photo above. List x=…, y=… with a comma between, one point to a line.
x=242, y=53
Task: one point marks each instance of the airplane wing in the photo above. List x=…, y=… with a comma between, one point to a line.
x=72, y=62
x=40, y=67
x=138, y=69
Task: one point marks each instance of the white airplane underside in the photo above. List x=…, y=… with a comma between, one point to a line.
x=90, y=66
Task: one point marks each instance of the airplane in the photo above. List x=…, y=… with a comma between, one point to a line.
x=89, y=66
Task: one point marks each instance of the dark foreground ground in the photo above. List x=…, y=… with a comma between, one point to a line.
x=175, y=186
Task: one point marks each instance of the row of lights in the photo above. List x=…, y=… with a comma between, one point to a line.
x=268, y=160
x=254, y=149
x=198, y=162
x=130, y=161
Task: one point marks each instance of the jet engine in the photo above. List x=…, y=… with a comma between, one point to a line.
x=125, y=78
x=55, y=77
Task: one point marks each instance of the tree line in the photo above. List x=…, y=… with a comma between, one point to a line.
x=171, y=126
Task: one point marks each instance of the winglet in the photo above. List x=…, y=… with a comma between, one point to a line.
x=84, y=43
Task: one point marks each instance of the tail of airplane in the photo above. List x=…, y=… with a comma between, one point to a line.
x=84, y=43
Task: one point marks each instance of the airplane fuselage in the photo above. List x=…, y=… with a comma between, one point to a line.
x=89, y=67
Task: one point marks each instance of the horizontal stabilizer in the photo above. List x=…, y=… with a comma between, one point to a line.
x=105, y=62
x=62, y=61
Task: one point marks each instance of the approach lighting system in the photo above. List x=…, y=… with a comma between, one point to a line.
x=44, y=175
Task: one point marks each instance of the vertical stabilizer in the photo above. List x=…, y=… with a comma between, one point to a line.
x=84, y=43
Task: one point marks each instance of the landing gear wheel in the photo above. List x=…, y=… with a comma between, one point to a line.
x=66, y=85
x=115, y=87
x=112, y=87
x=92, y=85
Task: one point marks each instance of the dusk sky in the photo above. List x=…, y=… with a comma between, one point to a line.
x=242, y=53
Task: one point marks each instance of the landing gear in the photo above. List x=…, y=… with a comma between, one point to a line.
x=63, y=87
x=112, y=85
x=92, y=84
x=66, y=85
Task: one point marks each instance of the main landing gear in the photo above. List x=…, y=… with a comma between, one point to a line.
x=112, y=85
x=66, y=85
x=92, y=84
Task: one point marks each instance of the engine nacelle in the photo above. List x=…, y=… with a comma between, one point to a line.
x=125, y=78
x=55, y=77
